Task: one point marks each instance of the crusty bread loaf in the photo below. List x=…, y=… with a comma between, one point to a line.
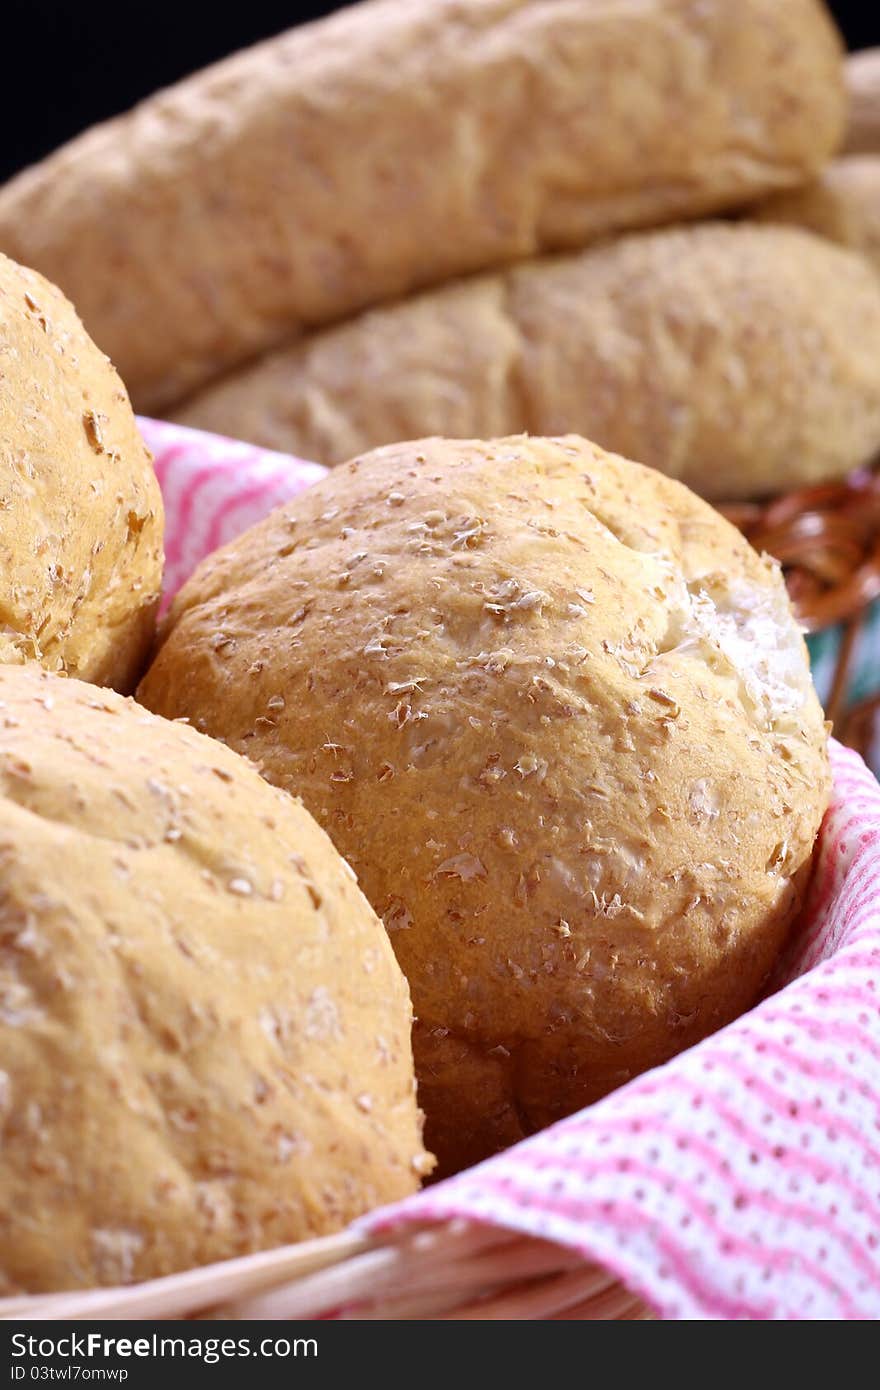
x=721, y=354
x=559, y=716
x=863, y=95
x=396, y=144
x=842, y=203
x=80, y=510
x=204, y=1036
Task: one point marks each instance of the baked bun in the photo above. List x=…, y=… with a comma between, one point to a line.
x=842, y=204
x=80, y=509
x=393, y=145
x=559, y=716
x=723, y=355
x=204, y=1036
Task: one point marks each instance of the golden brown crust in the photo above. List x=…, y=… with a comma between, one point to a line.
x=395, y=144
x=863, y=94
x=559, y=716
x=80, y=509
x=720, y=354
x=842, y=204
x=204, y=1036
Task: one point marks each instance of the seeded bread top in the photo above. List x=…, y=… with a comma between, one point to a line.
x=204, y=1035
x=80, y=510
x=558, y=714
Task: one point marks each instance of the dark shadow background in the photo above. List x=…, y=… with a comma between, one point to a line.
x=69, y=63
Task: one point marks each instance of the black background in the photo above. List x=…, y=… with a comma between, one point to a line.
x=68, y=63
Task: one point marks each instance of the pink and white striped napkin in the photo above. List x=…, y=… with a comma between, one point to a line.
x=742, y=1179
x=214, y=489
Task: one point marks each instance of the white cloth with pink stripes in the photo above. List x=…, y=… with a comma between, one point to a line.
x=742, y=1179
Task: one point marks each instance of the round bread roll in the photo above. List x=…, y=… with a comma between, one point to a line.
x=80, y=509
x=559, y=716
x=204, y=1036
x=842, y=204
x=723, y=355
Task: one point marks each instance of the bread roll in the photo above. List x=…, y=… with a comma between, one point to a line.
x=863, y=93
x=395, y=144
x=80, y=509
x=559, y=716
x=723, y=355
x=204, y=1036
x=843, y=204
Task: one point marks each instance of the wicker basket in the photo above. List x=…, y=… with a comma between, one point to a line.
x=457, y=1271
x=828, y=540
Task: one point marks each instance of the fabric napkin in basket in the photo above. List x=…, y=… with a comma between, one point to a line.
x=741, y=1179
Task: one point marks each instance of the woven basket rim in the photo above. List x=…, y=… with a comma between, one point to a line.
x=452, y=1270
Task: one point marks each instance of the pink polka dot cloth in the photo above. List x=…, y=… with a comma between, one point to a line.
x=740, y=1180
x=214, y=489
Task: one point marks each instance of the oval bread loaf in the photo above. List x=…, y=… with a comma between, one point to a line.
x=721, y=354
x=863, y=95
x=842, y=203
x=559, y=716
x=80, y=510
x=204, y=1035
x=395, y=144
